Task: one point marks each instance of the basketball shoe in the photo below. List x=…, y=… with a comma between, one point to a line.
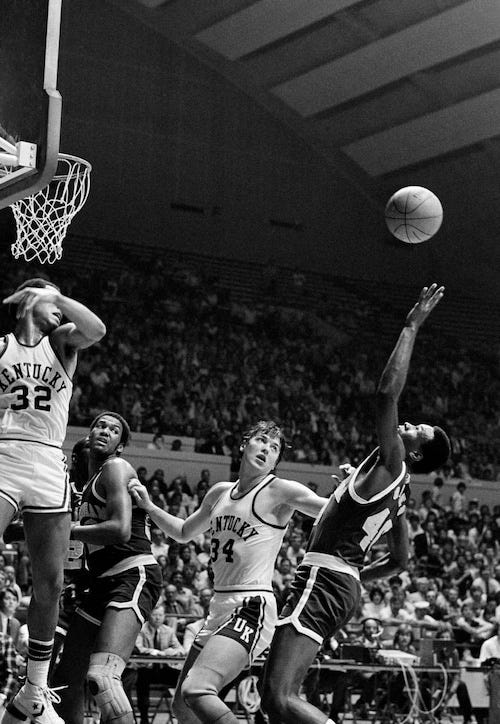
x=34, y=703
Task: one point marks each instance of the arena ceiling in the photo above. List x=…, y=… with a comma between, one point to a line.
x=386, y=90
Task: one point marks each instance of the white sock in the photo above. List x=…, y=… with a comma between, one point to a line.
x=38, y=672
x=39, y=656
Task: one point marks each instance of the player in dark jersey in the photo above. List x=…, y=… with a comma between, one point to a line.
x=125, y=580
x=367, y=505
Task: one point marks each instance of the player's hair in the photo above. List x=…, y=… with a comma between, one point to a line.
x=125, y=426
x=39, y=282
x=435, y=452
x=268, y=427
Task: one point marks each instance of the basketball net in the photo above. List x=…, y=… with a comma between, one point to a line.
x=42, y=220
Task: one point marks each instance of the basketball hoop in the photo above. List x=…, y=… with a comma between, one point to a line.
x=42, y=220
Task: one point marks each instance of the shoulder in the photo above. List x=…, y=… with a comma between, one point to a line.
x=287, y=489
x=117, y=468
x=217, y=490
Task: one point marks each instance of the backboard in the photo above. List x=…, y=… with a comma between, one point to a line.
x=30, y=104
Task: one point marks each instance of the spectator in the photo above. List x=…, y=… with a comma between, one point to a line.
x=157, y=443
x=376, y=604
x=471, y=631
x=212, y=445
x=185, y=596
x=8, y=622
x=173, y=562
x=174, y=611
x=296, y=551
x=393, y=615
x=156, y=495
x=490, y=649
x=9, y=669
x=284, y=568
x=156, y=639
x=142, y=474
x=159, y=546
x=10, y=581
x=458, y=500
x=371, y=631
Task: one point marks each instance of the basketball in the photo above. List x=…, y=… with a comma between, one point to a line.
x=413, y=214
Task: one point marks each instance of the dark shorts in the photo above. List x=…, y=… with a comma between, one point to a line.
x=245, y=616
x=320, y=602
x=138, y=588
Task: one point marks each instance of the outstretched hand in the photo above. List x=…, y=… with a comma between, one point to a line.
x=139, y=494
x=27, y=298
x=429, y=297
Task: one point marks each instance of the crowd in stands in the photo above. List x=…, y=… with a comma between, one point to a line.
x=183, y=357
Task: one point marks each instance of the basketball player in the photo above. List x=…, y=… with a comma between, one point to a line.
x=368, y=504
x=247, y=520
x=124, y=580
x=37, y=362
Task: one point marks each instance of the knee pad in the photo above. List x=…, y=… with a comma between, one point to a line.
x=105, y=685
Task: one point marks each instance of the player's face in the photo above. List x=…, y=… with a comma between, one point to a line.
x=262, y=452
x=105, y=436
x=47, y=315
x=414, y=436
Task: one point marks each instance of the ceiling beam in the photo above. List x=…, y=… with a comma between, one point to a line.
x=265, y=22
x=458, y=126
x=421, y=46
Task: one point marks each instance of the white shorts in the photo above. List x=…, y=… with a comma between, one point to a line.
x=247, y=617
x=34, y=477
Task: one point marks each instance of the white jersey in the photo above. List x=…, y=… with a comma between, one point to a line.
x=244, y=545
x=43, y=388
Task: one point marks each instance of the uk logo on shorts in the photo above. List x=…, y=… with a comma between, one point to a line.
x=245, y=623
x=246, y=632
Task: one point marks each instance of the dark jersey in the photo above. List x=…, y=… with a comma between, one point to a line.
x=100, y=558
x=348, y=526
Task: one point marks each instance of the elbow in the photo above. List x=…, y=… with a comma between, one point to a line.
x=123, y=534
x=385, y=393
x=100, y=331
x=400, y=561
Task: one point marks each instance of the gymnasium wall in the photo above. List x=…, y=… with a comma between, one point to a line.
x=160, y=127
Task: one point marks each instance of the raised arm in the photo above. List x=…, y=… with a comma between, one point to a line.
x=289, y=495
x=84, y=328
x=177, y=528
x=393, y=380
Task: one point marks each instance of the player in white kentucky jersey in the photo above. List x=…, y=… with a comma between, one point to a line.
x=370, y=503
x=37, y=362
x=247, y=520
